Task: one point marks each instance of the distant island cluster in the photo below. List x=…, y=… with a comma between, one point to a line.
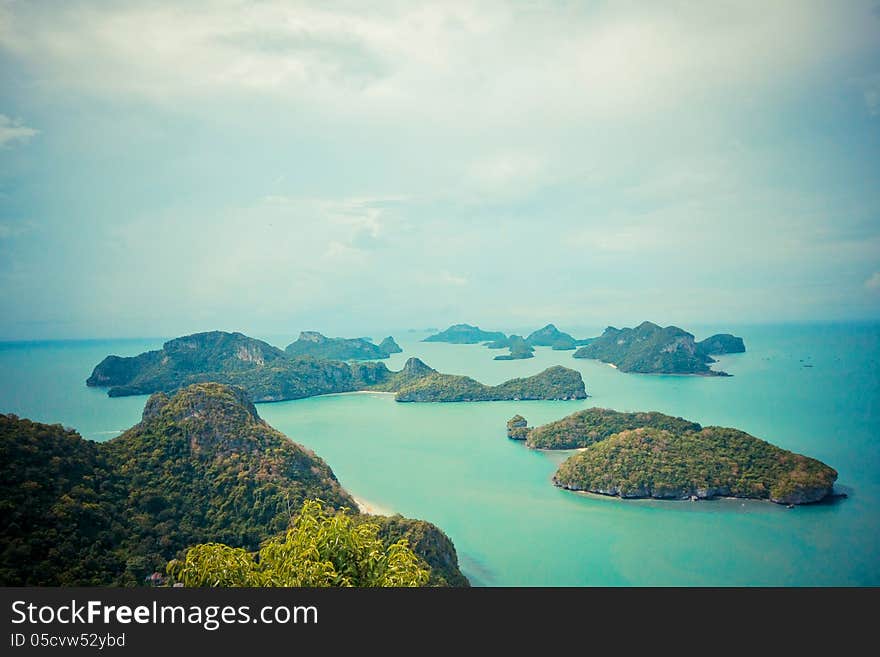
x=86, y=513
x=645, y=349
x=306, y=369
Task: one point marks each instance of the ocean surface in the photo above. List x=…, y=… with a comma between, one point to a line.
x=812, y=388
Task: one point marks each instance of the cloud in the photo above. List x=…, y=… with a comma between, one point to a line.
x=448, y=278
x=491, y=63
x=507, y=172
x=13, y=130
x=873, y=282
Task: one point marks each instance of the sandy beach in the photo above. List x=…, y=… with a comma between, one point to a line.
x=369, y=508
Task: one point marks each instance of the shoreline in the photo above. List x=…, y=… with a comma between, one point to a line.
x=370, y=508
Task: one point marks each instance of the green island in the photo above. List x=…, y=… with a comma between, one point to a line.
x=591, y=425
x=200, y=468
x=651, y=349
x=465, y=334
x=554, y=383
x=316, y=345
x=552, y=337
x=269, y=374
x=639, y=455
x=519, y=349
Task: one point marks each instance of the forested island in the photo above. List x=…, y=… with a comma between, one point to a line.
x=558, y=383
x=201, y=467
x=638, y=455
x=316, y=345
x=465, y=334
x=269, y=374
x=651, y=349
x=591, y=425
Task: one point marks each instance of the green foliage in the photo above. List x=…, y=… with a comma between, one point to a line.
x=465, y=334
x=649, y=349
x=710, y=462
x=55, y=523
x=201, y=467
x=583, y=428
x=427, y=540
x=322, y=548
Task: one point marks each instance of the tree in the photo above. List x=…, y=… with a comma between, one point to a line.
x=321, y=548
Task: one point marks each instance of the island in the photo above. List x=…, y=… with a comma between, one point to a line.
x=591, y=425
x=552, y=337
x=649, y=454
x=269, y=374
x=389, y=346
x=200, y=467
x=721, y=343
x=554, y=383
x=519, y=349
x=517, y=428
x=651, y=349
x=316, y=345
x=465, y=334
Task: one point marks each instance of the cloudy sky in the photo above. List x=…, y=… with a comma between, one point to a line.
x=348, y=166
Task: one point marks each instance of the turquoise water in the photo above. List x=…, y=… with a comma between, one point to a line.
x=451, y=463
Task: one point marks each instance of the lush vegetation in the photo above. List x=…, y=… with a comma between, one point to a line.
x=201, y=467
x=583, y=428
x=465, y=334
x=710, y=462
x=322, y=548
x=519, y=349
x=315, y=345
x=268, y=374
x=650, y=349
x=517, y=428
x=553, y=383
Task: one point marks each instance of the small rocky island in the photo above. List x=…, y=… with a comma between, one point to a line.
x=651, y=349
x=269, y=374
x=639, y=455
x=519, y=349
x=465, y=334
x=201, y=466
x=552, y=337
x=316, y=345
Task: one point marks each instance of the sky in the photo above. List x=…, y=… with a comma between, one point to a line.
x=273, y=166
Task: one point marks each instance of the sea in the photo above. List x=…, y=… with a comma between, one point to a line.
x=811, y=388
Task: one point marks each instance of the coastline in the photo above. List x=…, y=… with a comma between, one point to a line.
x=370, y=508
